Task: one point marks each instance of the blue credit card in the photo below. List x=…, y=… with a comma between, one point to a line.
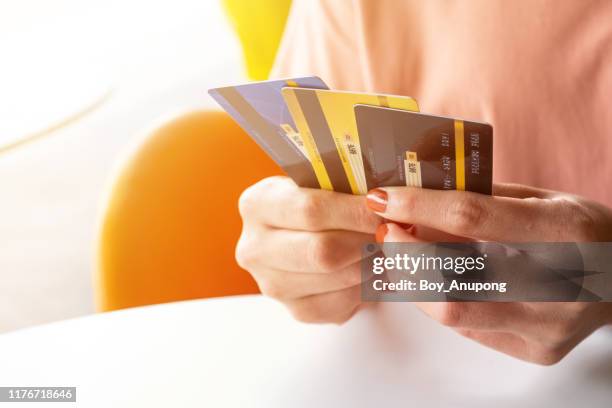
x=259, y=108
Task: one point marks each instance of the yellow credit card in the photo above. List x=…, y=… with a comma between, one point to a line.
x=328, y=118
x=310, y=148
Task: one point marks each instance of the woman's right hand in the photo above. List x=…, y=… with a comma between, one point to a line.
x=304, y=246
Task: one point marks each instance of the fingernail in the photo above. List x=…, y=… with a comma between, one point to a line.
x=377, y=200
x=381, y=231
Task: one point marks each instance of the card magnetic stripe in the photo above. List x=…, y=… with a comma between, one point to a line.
x=307, y=103
x=311, y=148
x=240, y=119
x=268, y=137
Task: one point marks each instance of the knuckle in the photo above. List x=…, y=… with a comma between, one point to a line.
x=322, y=254
x=248, y=200
x=364, y=219
x=251, y=198
x=465, y=215
x=560, y=331
x=408, y=202
x=555, y=344
x=271, y=289
x=450, y=314
x=350, y=277
x=549, y=356
x=245, y=253
x=310, y=208
x=579, y=225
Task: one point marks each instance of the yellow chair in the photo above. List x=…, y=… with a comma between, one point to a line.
x=259, y=25
x=170, y=223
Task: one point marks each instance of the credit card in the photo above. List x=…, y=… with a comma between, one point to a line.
x=402, y=148
x=260, y=110
x=326, y=119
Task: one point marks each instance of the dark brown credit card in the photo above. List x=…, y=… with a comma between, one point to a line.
x=403, y=148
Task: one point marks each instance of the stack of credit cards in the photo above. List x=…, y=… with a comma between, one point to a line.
x=351, y=142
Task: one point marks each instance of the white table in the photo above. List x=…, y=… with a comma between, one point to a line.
x=247, y=351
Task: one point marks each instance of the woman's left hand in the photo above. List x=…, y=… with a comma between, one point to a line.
x=538, y=332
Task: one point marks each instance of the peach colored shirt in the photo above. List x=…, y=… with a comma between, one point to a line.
x=539, y=71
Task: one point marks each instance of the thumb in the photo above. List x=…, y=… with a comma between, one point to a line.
x=392, y=232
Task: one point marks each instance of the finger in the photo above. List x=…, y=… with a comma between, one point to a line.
x=507, y=343
x=283, y=285
x=278, y=202
x=332, y=307
x=300, y=251
x=465, y=213
x=433, y=235
x=391, y=232
x=548, y=340
x=415, y=233
x=516, y=346
x=560, y=325
x=520, y=191
x=489, y=316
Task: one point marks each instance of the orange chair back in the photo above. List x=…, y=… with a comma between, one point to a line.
x=170, y=223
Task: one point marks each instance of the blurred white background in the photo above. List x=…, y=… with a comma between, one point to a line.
x=98, y=71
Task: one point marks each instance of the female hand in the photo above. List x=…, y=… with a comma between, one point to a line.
x=304, y=246
x=538, y=332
